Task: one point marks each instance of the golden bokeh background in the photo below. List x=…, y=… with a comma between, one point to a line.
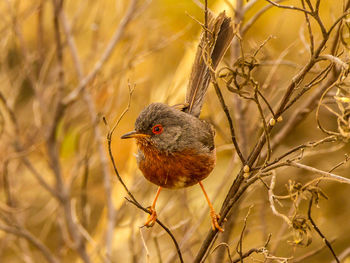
x=153, y=54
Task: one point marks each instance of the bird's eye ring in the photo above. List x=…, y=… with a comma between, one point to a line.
x=157, y=129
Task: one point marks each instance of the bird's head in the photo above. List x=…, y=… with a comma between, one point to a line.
x=162, y=126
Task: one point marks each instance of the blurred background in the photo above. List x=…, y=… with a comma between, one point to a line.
x=65, y=65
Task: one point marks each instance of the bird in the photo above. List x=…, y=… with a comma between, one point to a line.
x=175, y=147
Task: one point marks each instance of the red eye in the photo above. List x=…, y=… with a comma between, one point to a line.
x=157, y=129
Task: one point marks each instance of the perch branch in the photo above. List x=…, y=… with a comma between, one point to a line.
x=328, y=244
x=131, y=196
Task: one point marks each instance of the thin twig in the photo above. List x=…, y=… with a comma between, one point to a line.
x=335, y=177
x=145, y=246
x=300, y=113
x=71, y=43
x=265, y=126
x=229, y=119
x=335, y=60
x=289, y=7
x=347, y=158
x=206, y=19
x=311, y=36
x=272, y=202
x=310, y=254
x=118, y=34
x=133, y=199
x=297, y=148
x=93, y=116
x=109, y=141
x=19, y=148
x=319, y=231
x=159, y=255
x=52, y=144
x=138, y=205
x=239, y=247
x=343, y=254
x=33, y=240
x=260, y=250
x=227, y=249
x=247, y=25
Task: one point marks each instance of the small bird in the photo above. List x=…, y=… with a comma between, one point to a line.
x=175, y=148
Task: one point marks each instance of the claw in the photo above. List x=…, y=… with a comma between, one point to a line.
x=151, y=219
x=214, y=221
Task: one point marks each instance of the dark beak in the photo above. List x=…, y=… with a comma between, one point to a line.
x=134, y=134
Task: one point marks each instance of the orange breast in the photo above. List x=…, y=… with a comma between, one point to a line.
x=175, y=170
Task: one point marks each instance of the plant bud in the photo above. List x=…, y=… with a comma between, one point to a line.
x=246, y=169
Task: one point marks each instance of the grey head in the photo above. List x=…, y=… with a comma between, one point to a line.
x=169, y=129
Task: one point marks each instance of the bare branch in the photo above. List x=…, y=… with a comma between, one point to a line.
x=289, y=7
x=320, y=233
x=21, y=232
x=128, y=17
x=133, y=199
x=343, y=255
x=247, y=25
x=331, y=176
x=272, y=202
x=229, y=119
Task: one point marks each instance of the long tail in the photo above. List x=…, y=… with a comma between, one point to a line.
x=219, y=37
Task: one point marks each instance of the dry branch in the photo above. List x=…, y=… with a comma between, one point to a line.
x=239, y=186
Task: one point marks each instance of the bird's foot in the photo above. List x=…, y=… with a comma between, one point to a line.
x=151, y=219
x=214, y=221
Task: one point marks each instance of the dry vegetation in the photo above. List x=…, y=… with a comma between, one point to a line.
x=280, y=103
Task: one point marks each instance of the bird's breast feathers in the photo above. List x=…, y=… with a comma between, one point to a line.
x=174, y=169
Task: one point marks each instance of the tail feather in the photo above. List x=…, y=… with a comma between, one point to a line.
x=219, y=37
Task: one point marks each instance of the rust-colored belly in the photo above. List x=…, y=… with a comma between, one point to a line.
x=175, y=170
